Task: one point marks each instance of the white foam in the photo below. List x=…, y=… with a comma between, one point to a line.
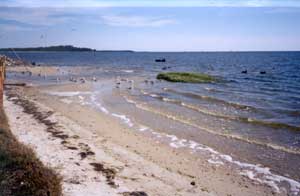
x=154, y=95
x=166, y=99
x=128, y=71
x=68, y=94
x=123, y=118
x=254, y=172
x=144, y=92
x=130, y=101
x=81, y=97
x=67, y=101
x=143, y=128
x=179, y=143
x=13, y=98
x=193, y=144
x=156, y=134
x=172, y=137
x=93, y=99
x=212, y=161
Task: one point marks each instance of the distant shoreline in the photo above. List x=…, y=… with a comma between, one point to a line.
x=61, y=48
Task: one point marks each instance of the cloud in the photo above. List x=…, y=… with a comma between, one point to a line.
x=13, y=25
x=150, y=3
x=34, y=17
x=136, y=21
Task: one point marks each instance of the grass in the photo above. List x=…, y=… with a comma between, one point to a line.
x=186, y=77
x=21, y=172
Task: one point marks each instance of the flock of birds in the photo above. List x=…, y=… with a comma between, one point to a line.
x=119, y=81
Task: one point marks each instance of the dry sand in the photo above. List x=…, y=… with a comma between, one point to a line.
x=97, y=155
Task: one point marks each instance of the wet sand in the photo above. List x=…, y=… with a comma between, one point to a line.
x=98, y=155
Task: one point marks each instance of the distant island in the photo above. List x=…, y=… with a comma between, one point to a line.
x=61, y=48
x=49, y=49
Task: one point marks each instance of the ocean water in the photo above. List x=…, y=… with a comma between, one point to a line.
x=253, y=118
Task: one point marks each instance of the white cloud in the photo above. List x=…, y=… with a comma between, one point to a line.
x=37, y=17
x=136, y=21
x=33, y=18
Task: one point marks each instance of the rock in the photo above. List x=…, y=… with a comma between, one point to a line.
x=244, y=71
x=193, y=183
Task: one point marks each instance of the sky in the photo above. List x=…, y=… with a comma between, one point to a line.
x=152, y=25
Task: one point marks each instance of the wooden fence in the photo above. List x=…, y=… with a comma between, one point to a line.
x=2, y=78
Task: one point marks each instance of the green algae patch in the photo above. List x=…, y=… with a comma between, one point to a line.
x=186, y=77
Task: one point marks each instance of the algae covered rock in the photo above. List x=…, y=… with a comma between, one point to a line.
x=186, y=77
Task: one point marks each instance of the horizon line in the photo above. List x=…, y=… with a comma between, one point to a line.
x=5, y=49
x=149, y=3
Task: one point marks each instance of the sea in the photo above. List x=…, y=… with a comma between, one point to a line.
x=249, y=118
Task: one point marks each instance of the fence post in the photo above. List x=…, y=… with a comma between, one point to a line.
x=2, y=78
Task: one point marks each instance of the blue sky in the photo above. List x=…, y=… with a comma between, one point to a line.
x=152, y=25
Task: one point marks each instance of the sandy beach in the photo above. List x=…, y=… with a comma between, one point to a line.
x=97, y=154
x=149, y=98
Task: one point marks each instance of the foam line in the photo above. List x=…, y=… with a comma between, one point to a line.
x=69, y=94
x=123, y=118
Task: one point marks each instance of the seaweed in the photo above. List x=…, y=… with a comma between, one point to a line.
x=186, y=77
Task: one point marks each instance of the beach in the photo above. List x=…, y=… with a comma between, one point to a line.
x=139, y=163
x=96, y=133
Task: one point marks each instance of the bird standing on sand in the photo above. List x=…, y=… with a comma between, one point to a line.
x=131, y=82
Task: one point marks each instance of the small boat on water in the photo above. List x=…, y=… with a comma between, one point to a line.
x=160, y=60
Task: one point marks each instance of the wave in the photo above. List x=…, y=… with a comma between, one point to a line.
x=97, y=104
x=275, y=125
x=257, y=173
x=223, y=134
x=212, y=99
x=68, y=94
x=254, y=172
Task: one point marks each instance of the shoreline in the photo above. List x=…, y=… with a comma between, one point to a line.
x=218, y=180
x=63, y=91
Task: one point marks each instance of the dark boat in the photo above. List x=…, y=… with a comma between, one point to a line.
x=160, y=60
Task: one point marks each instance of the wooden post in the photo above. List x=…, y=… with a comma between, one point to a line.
x=2, y=78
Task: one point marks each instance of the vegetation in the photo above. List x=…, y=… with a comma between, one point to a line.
x=21, y=172
x=186, y=77
x=68, y=48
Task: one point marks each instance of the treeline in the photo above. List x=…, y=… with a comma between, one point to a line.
x=68, y=48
